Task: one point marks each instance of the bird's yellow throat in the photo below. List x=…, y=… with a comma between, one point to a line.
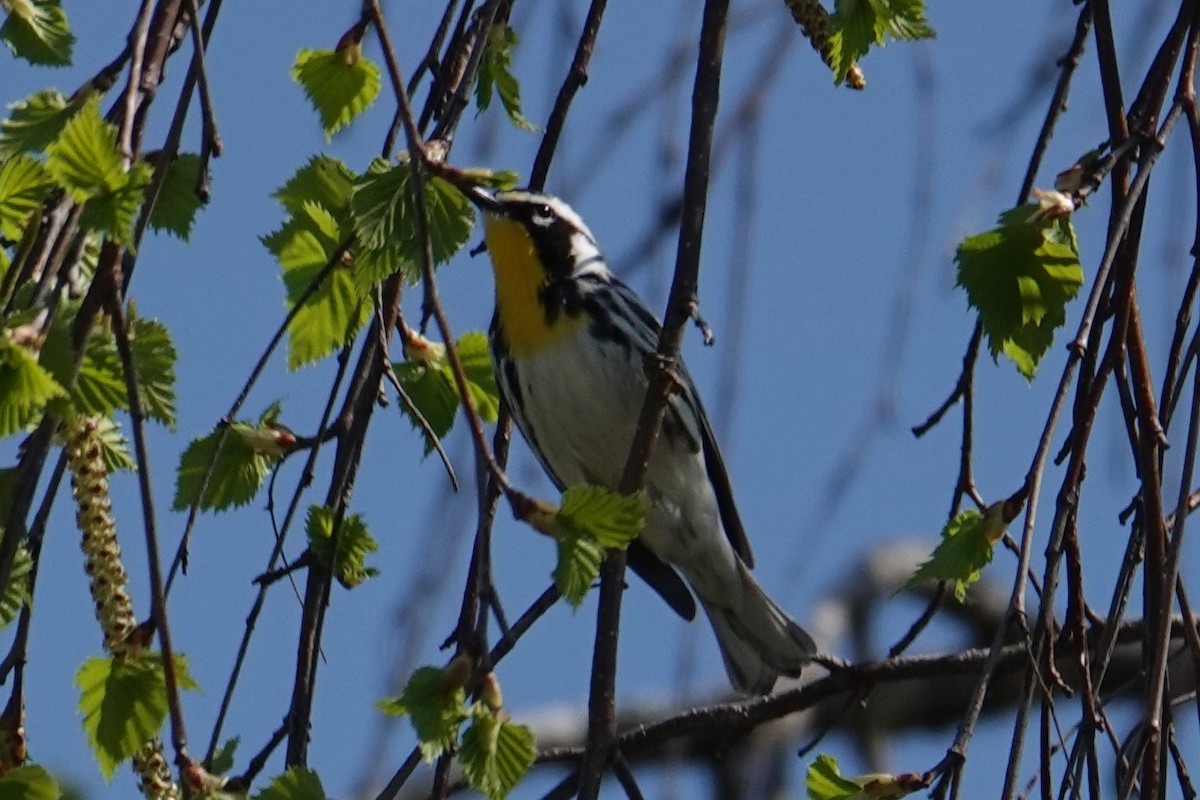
x=519, y=278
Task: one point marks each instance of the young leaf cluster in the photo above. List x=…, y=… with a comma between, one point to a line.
x=344, y=233
x=353, y=544
x=859, y=24
x=1020, y=276
x=247, y=452
x=494, y=752
x=428, y=380
x=496, y=77
x=590, y=520
x=968, y=543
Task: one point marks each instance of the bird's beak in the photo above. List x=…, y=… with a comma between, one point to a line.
x=480, y=197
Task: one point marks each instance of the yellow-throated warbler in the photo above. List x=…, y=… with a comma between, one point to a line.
x=569, y=343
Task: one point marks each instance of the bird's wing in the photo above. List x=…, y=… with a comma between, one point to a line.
x=662, y=578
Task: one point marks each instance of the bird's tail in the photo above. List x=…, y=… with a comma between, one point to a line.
x=758, y=640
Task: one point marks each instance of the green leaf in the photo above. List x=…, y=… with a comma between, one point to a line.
x=16, y=594
x=354, y=542
x=25, y=387
x=324, y=180
x=114, y=447
x=429, y=383
x=30, y=782
x=495, y=753
x=967, y=545
x=340, y=84
x=476, y=357
x=385, y=215
x=502, y=179
x=336, y=310
x=436, y=710
x=824, y=780
x=99, y=388
x=577, y=568
x=392, y=707
x=297, y=783
x=1020, y=277
x=856, y=25
x=223, y=758
x=24, y=184
x=238, y=473
x=36, y=121
x=124, y=703
x=608, y=518
x=177, y=204
x=37, y=31
x=495, y=73
x=154, y=362
x=85, y=161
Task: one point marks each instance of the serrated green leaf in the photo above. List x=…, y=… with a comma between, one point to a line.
x=340, y=85
x=30, y=782
x=223, y=758
x=577, y=568
x=608, y=518
x=154, y=362
x=99, y=388
x=824, y=780
x=37, y=31
x=84, y=158
x=1020, y=277
x=297, y=783
x=35, y=121
x=476, y=357
x=432, y=394
x=325, y=181
x=85, y=161
x=24, y=184
x=384, y=216
x=502, y=179
x=436, y=711
x=967, y=546
x=354, y=543
x=114, y=447
x=495, y=753
x=16, y=594
x=113, y=213
x=123, y=703
x=336, y=310
x=495, y=73
x=856, y=25
x=177, y=204
x=25, y=387
x=237, y=474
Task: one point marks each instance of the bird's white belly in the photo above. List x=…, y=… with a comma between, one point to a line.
x=581, y=405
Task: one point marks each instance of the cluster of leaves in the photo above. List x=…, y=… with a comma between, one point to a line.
x=1020, y=276
x=589, y=521
x=235, y=459
x=495, y=753
x=856, y=25
x=428, y=381
x=354, y=542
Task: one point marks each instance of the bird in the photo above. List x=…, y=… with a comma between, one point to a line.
x=569, y=343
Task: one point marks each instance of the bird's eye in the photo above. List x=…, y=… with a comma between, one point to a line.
x=542, y=215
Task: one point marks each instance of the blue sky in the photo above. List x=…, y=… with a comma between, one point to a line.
x=835, y=241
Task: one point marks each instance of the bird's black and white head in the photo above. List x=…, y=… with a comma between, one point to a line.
x=520, y=225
